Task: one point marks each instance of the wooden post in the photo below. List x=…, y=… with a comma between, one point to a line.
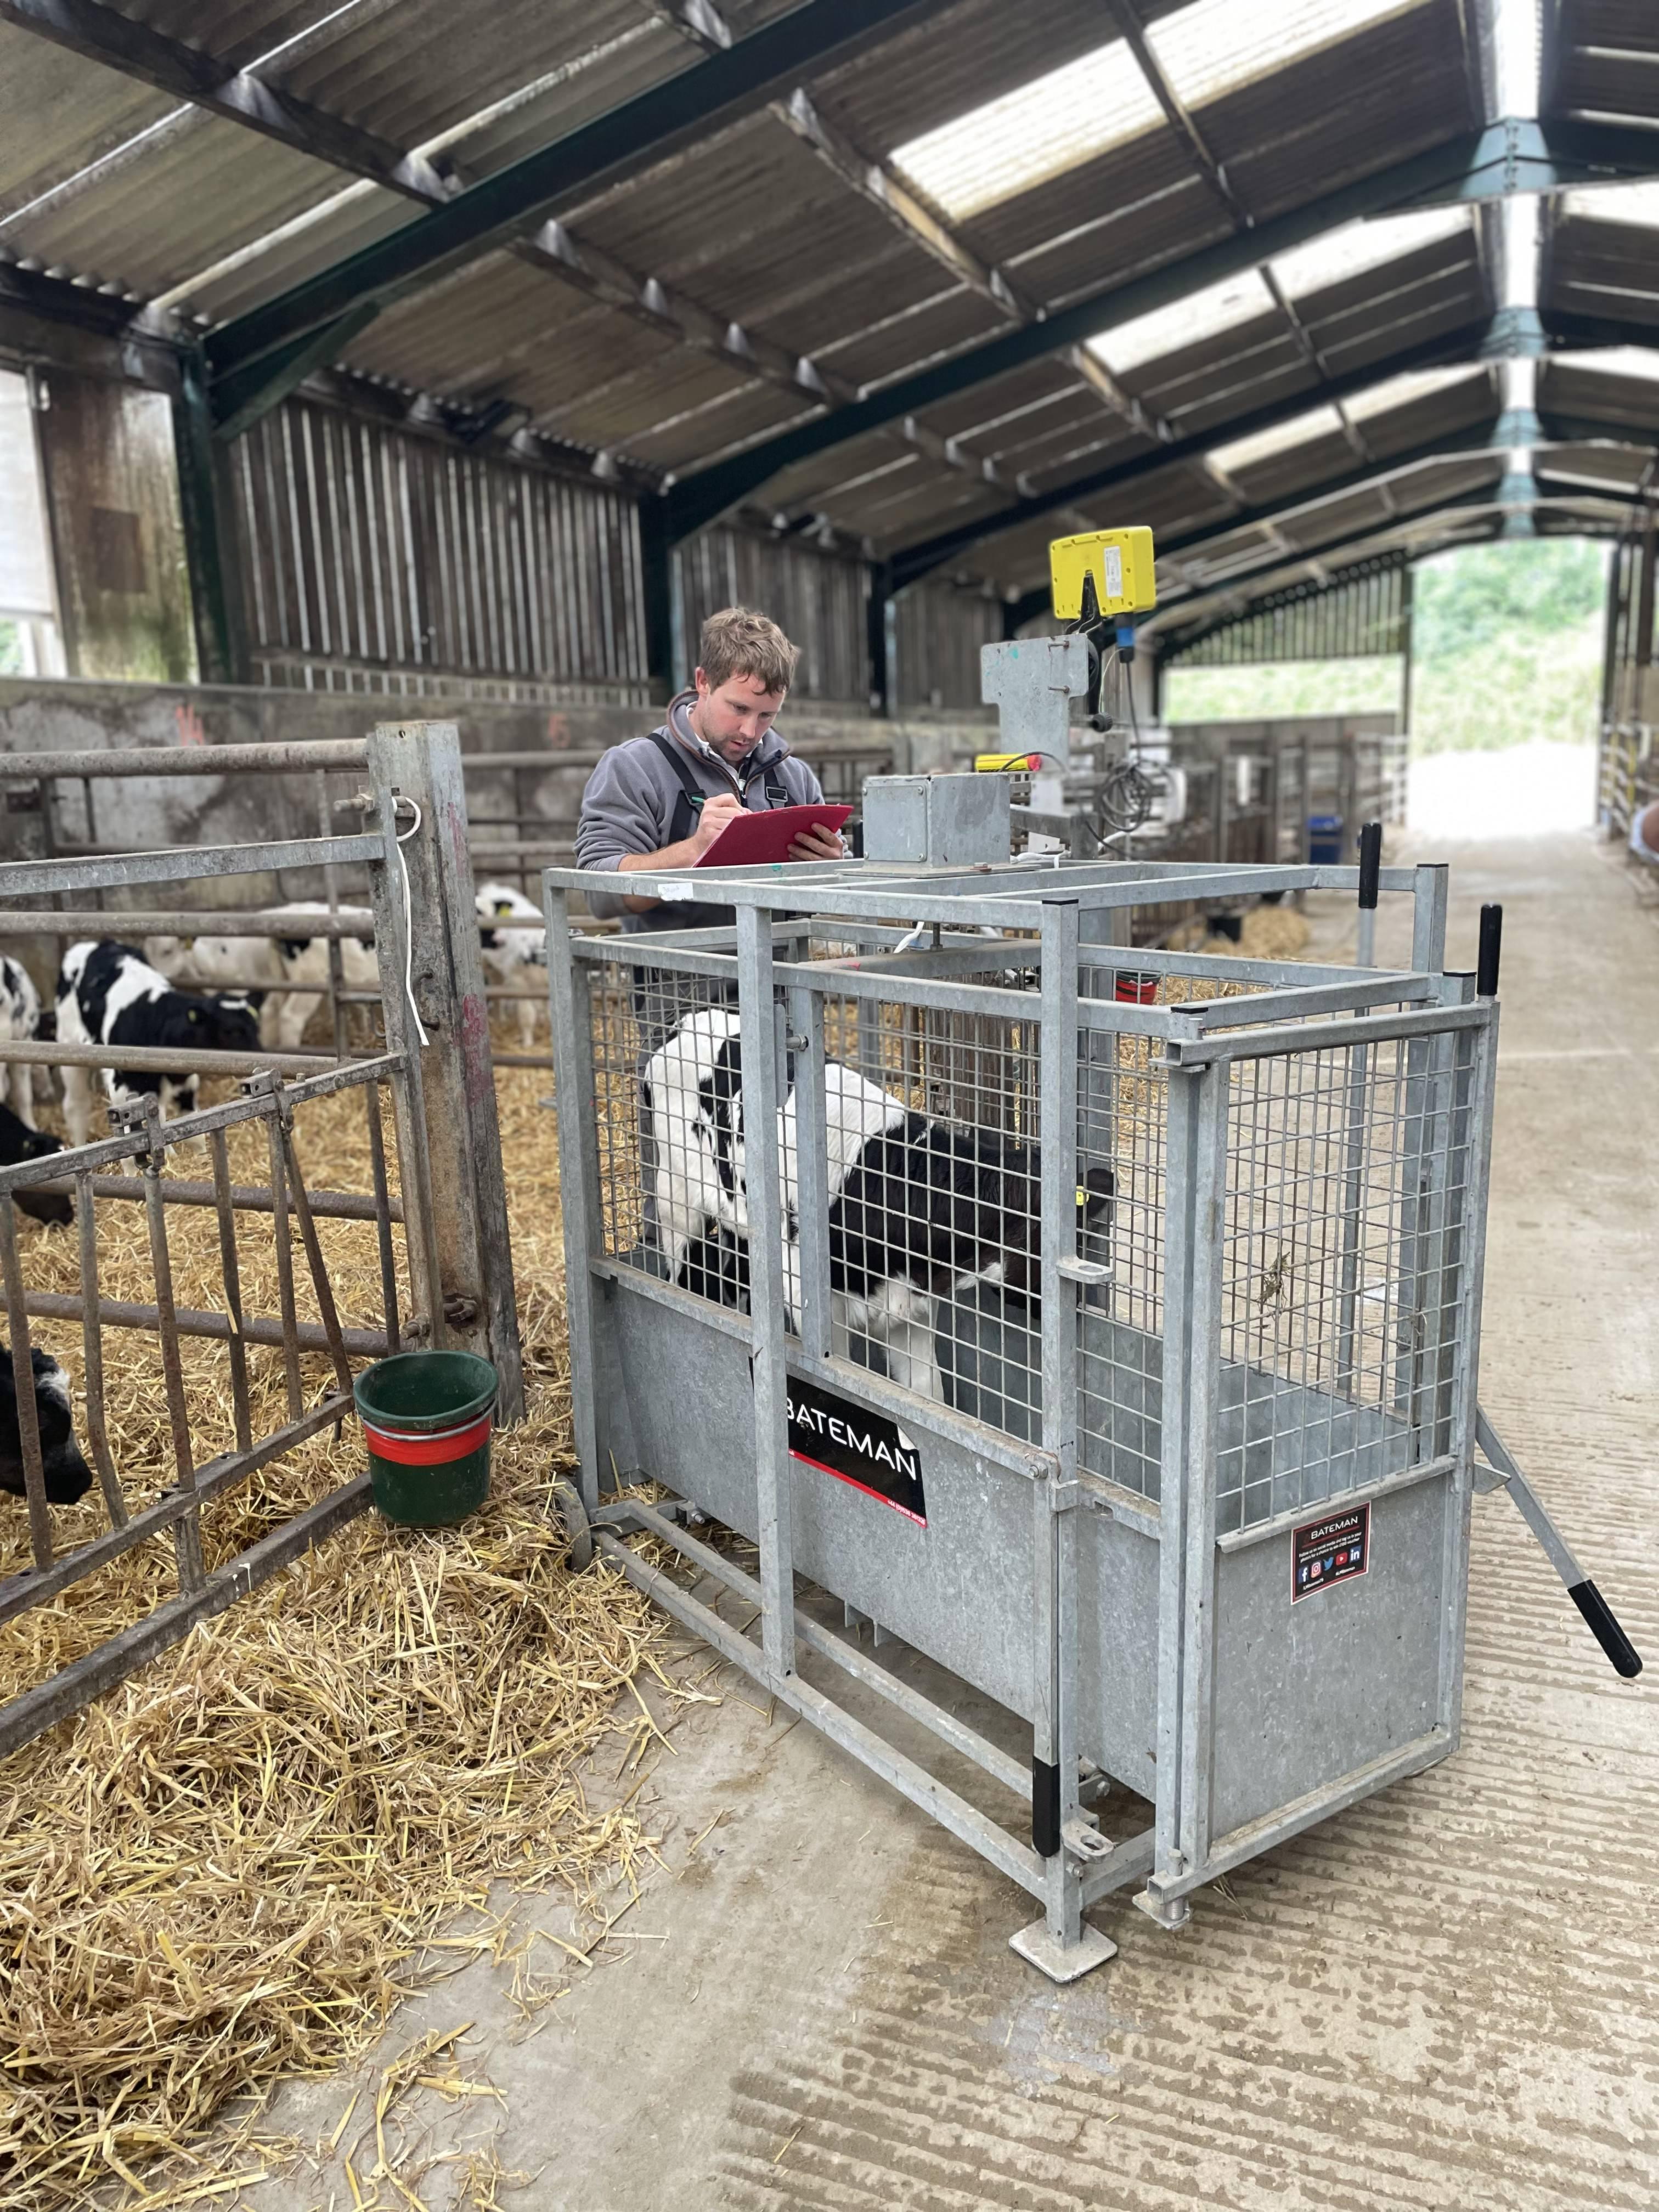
x=421, y=761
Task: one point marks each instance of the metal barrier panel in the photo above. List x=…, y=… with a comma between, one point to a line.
x=240, y=1445
x=1033, y=1295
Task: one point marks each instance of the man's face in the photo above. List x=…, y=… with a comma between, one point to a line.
x=734, y=716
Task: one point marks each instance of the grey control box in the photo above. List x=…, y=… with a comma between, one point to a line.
x=956, y=820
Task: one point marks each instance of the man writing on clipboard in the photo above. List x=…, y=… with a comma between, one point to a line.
x=660, y=801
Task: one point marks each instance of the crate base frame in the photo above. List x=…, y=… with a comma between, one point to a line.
x=1059, y=1945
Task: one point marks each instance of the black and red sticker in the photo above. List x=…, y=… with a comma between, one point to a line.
x=1333, y=1549
x=858, y=1447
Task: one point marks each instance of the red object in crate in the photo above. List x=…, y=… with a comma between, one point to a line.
x=1134, y=989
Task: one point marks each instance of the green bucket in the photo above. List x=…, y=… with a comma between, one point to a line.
x=426, y=1419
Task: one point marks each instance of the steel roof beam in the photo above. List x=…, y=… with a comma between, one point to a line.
x=242, y=397
x=1558, y=434
x=1457, y=346
x=100, y=33
x=1516, y=431
x=881, y=184
x=1511, y=333
x=1479, y=166
x=667, y=118
x=1214, y=174
x=1486, y=438
x=1244, y=594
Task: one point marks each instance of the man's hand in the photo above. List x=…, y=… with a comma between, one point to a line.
x=818, y=844
x=712, y=818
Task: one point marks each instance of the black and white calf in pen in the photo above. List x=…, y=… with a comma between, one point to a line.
x=919, y=1210
x=292, y=972
x=68, y=1476
x=108, y=994
x=20, y=1020
x=512, y=939
x=18, y=1141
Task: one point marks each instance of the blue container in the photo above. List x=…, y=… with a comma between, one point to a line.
x=1325, y=841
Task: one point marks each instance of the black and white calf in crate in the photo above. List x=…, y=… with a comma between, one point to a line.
x=108, y=994
x=920, y=1211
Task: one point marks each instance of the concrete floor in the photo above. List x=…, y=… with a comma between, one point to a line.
x=1447, y=1997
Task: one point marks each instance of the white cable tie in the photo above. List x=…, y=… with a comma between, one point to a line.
x=409, y=919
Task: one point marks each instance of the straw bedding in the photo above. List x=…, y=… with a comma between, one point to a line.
x=226, y=1869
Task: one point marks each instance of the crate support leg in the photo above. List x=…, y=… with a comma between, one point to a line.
x=758, y=1014
x=1059, y=1945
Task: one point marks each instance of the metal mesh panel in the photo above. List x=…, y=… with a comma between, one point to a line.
x=1122, y=1122
x=931, y=1182
x=1340, y=1315
x=1335, y=1342
x=645, y=1139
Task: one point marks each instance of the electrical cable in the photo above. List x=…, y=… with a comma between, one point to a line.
x=409, y=919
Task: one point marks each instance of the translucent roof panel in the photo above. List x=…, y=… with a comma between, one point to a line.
x=1024, y=137
x=1245, y=452
x=1358, y=246
x=1400, y=391
x=1203, y=314
x=1614, y=361
x=1211, y=48
x=1615, y=203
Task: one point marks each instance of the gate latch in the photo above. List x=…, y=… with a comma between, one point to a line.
x=1086, y=1272
x=1084, y=1839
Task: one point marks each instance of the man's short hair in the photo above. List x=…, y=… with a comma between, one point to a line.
x=738, y=642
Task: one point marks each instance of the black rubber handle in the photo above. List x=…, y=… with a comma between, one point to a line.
x=1492, y=944
x=1045, y=1808
x=1604, y=1627
x=1371, y=864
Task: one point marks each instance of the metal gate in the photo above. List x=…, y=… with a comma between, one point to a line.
x=433, y=1067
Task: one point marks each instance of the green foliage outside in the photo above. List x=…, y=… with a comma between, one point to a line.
x=1508, y=643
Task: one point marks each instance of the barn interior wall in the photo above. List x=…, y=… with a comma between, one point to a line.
x=376, y=558
x=818, y=596
x=376, y=555
x=939, y=630
x=118, y=536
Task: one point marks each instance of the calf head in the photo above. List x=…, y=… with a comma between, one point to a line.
x=192, y=1025
x=1021, y=1224
x=18, y=1142
x=169, y=955
x=68, y=1476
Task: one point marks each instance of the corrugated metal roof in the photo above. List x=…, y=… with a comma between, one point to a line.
x=752, y=227
x=58, y=113
x=217, y=183
x=1600, y=255
x=1602, y=58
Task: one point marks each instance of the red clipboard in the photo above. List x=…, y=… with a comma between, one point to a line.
x=752, y=840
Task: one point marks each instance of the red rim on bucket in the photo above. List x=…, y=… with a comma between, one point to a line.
x=427, y=1421
x=1131, y=988
x=433, y=1450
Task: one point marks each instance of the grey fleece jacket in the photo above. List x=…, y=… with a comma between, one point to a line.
x=630, y=799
